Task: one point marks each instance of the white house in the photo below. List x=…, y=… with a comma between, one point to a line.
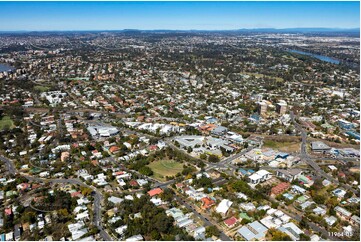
x=259, y=176
x=224, y=206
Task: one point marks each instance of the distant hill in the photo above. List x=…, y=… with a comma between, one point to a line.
x=309, y=30
x=321, y=31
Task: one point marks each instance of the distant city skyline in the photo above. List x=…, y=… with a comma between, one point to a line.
x=59, y=16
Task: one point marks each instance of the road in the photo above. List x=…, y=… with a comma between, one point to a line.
x=9, y=164
x=82, y=110
x=227, y=162
x=98, y=197
x=311, y=161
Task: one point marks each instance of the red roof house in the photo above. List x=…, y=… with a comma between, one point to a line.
x=207, y=202
x=280, y=188
x=230, y=222
x=113, y=149
x=155, y=191
x=133, y=183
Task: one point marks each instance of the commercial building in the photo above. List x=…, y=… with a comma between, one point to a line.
x=262, y=108
x=281, y=107
x=318, y=146
x=102, y=130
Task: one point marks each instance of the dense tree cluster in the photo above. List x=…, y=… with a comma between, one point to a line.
x=154, y=224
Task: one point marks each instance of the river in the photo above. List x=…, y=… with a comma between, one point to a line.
x=320, y=57
x=6, y=67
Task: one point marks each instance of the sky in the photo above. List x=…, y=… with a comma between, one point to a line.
x=38, y=16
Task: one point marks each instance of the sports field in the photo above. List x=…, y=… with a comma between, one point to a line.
x=6, y=122
x=163, y=168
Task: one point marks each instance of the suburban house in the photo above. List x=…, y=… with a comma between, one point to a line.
x=280, y=188
x=207, y=202
x=343, y=213
x=289, y=175
x=219, y=130
x=259, y=176
x=155, y=191
x=331, y=220
x=224, y=206
x=253, y=231
x=292, y=230
x=230, y=222
x=298, y=189
x=339, y=193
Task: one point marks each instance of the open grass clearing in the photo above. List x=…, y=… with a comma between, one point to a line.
x=163, y=168
x=41, y=88
x=6, y=122
x=283, y=146
x=258, y=75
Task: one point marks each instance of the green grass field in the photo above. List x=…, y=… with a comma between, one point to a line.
x=41, y=88
x=261, y=75
x=6, y=122
x=163, y=168
x=282, y=146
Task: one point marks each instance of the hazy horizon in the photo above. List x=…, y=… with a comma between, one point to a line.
x=182, y=16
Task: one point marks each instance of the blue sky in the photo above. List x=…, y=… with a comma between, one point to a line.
x=176, y=15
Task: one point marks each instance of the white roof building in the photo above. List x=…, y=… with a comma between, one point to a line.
x=135, y=238
x=115, y=200
x=121, y=229
x=223, y=206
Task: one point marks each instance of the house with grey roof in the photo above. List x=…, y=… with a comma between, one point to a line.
x=289, y=175
x=219, y=130
x=318, y=146
x=330, y=220
x=355, y=220
x=252, y=231
x=343, y=213
x=319, y=211
x=292, y=230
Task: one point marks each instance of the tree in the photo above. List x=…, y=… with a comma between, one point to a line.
x=319, y=198
x=155, y=235
x=204, y=182
x=145, y=170
x=304, y=237
x=213, y=158
x=303, y=223
x=203, y=156
x=167, y=195
x=275, y=205
x=332, y=202
x=86, y=191
x=278, y=235
x=212, y=231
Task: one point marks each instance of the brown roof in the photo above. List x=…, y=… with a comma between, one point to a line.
x=207, y=202
x=280, y=188
x=155, y=191
x=231, y=221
